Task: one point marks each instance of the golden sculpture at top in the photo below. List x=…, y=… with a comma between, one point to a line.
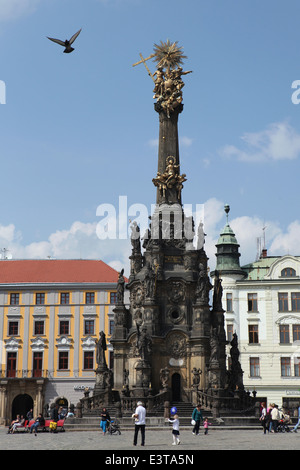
x=170, y=178
x=167, y=77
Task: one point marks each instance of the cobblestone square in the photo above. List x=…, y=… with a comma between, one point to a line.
x=158, y=442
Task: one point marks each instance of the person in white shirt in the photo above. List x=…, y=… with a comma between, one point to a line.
x=275, y=415
x=140, y=423
x=175, y=430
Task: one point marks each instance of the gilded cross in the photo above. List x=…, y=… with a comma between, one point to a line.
x=143, y=61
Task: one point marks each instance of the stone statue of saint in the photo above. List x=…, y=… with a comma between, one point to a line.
x=100, y=350
x=218, y=292
x=135, y=238
x=120, y=288
x=143, y=343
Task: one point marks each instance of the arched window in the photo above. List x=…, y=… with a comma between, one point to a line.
x=288, y=272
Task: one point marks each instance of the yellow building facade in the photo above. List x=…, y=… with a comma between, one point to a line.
x=51, y=314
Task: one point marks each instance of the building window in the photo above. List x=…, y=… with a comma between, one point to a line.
x=13, y=328
x=40, y=298
x=111, y=327
x=88, y=362
x=64, y=327
x=229, y=302
x=285, y=367
x=14, y=299
x=288, y=272
x=254, y=367
x=11, y=367
x=253, y=334
x=90, y=298
x=64, y=298
x=296, y=301
x=229, y=332
x=39, y=327
x=284, y=334
x=296, y=332
x=252, y=303
x=63, y=360
x=89, y=327
x=296, y=367
x=37, y=364
x=283, y=303
x=113, y=298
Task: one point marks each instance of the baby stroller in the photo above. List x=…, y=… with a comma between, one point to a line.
x=113, y=427
x=282, y=426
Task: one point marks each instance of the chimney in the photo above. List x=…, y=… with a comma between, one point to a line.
x=264, y=253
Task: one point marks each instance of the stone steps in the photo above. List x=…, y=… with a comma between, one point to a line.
x=158, y=422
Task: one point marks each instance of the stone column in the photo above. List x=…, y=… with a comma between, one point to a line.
x=3, y=402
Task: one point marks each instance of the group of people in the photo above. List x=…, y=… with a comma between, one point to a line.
x=56, y=414
x=140, y=422
x=271, y=417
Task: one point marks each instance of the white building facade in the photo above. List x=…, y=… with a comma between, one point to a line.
x=262, y=306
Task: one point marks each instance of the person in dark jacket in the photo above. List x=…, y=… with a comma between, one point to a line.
x=40, y=421
x=54, y=419
x=104, y=419
x=197, y=416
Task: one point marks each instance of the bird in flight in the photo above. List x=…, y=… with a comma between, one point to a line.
x=67, y=44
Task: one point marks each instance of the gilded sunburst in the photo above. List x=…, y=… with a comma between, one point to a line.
x=168, y=55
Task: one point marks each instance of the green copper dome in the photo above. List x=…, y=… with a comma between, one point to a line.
x=228, y=255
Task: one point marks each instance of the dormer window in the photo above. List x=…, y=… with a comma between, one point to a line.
x=288, y=272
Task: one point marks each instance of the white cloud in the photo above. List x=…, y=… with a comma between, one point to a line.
x=13, y=9
x=80, y=240
x=288, y=242
x=279, y=141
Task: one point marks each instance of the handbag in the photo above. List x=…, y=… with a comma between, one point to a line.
x=193, y=422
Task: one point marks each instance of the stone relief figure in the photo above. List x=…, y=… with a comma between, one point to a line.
x=164, y=377
x=120, y=288
x=218, y=292
x=196, y=373
x=100, y=350
x=126, y=377
x=144, y=342
x=214, y=346
x=176, y=291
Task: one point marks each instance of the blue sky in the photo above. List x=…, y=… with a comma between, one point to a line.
x=79, y=130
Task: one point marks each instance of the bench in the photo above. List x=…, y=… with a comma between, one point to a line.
x=46, y=427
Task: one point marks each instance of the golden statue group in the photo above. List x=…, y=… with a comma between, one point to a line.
x=167, y=77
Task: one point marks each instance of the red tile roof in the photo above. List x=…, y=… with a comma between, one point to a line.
x=56, y=271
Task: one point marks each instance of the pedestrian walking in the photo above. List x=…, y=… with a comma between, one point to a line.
x=104, y=420
x=264, y=418
x=140, y=423
x=298, y=423
x=205, y=425
x=275, y=416
x=196, y=417
x=175, y=430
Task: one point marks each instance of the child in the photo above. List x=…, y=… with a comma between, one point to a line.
x=205, y=425
x=175, y=430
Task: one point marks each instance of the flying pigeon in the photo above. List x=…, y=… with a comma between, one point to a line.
x=66, y=43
